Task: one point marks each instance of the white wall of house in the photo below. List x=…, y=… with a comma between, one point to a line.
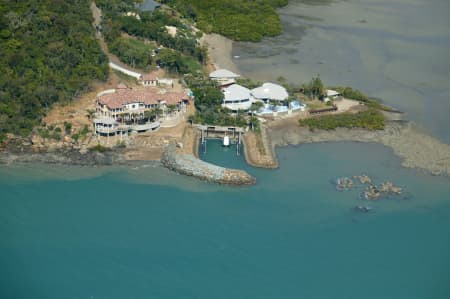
x=134, y=106
x=150, y=83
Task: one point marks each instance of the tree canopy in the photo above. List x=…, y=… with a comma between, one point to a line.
x=48, y=53
x=242, y=20
x=182, y=53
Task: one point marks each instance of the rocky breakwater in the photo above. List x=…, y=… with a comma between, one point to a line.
x=258, y=150
x=184, y=163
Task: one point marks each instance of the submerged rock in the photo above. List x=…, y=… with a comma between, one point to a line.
x=363, y=179
x=344, y=183
x=390, y=188
x=372, y=193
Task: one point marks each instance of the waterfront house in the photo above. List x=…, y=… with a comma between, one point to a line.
x=237, y=97
x=224, y=77
x=270, y=92
x=123, y=109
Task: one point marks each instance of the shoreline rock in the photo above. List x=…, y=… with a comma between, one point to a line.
x=416, y=148
x=64, y=157
x=187, y=164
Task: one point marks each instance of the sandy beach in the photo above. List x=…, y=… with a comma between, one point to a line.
x=219, y=51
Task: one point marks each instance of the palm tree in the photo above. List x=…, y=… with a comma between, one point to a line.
x=153, y=114
x=256, y=106
x=171, y=108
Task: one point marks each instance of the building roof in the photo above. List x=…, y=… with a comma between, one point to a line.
x=223, y=73
x=148, y=97
x=121, y=86
x=149, y=5
x=270, y=91
x=149, y=77
x=236, y=92
x=332, y=93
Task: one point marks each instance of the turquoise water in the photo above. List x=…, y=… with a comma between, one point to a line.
x=144, y=232
x=123, y=233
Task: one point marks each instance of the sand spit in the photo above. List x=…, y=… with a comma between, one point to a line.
x=416, y=148
x=219, y=51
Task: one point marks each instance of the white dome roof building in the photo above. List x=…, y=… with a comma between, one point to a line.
x=237, y=97
x=270, y=91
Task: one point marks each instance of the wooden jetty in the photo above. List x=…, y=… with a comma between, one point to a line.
x=210, y=131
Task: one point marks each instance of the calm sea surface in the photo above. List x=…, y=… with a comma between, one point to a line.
x=397, y=50
x=147, y=233
x=144, y=232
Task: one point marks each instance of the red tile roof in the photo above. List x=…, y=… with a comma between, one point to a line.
x=122, y=86
x=149, y=77
x=148, y=97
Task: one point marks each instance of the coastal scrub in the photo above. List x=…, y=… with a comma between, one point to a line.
x=49, y=54
x=370, y=119
x=235, y=19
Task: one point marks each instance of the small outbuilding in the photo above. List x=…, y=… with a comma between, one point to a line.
x=224, y=77
x=150, y=79
x=331, y=95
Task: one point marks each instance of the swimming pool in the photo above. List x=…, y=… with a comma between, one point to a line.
x=269, y=109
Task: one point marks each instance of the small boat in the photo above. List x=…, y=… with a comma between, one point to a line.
x=363, y=209
x=226, y=141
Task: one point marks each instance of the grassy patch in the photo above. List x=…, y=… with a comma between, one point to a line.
x=315, y=104
x=371, y=119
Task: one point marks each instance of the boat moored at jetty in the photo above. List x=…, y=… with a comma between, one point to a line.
x=226, y=140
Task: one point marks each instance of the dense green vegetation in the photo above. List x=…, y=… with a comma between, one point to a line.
x=314, y=88
x=371, y=119
x=208, y=100
x=243, y=20
x=177, y=63
x=48, y=54
x=351, y=93
x=132, y=52
x=181, y=53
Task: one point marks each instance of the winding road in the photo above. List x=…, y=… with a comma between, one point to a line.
x=114, y=62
